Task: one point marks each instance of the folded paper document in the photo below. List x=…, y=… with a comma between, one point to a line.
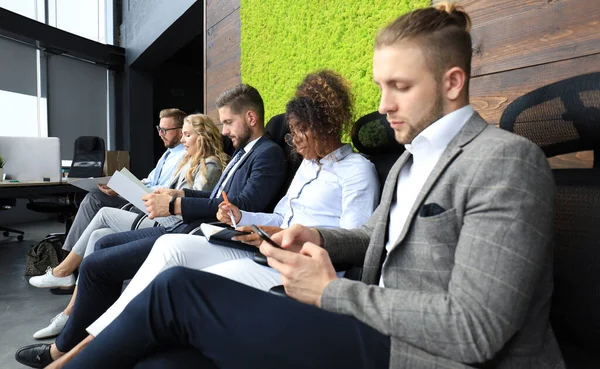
x=88, y=184
x=131, y=189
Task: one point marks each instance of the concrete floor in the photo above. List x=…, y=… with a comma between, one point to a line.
x=23, y=309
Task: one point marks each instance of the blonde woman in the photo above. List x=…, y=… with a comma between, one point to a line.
x=199, y=169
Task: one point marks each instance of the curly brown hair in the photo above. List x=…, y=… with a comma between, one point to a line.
x=331, y=94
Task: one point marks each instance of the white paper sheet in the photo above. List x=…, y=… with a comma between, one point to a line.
x=126, y=186
x=88, y=184
x=131, y=189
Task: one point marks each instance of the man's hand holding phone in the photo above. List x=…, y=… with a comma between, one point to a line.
x=253, y=238
x=305, y=267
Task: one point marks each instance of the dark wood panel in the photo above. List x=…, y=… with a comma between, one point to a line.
x=217, y=10
x=583, y=159
x=491, y=94
x=222, y=59
x=223, y=40
x=484, y=11
x=560, y=30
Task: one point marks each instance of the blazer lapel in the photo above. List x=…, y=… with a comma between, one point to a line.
x=471, y=129
x=242, y=160
x=375, y=255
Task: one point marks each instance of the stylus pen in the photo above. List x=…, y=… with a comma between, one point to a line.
x=230, y=212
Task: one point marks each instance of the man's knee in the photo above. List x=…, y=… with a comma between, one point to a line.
x=169, y=244
x=107, y=241
x=179, y=276
x=93, y=200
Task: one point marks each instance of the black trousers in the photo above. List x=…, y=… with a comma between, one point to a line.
x=101, y=277
x=188, y=318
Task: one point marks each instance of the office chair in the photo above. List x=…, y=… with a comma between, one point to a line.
x=562, y=118
x=373, y=137
x=88, y=161
x=7, y=204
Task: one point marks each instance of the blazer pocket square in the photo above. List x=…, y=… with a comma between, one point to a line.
x=430, y=210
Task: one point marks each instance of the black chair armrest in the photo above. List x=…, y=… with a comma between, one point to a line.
x=279, y=291
x=128, y=206
x=138, y=220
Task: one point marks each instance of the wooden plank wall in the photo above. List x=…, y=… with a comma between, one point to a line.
x=519, y=45
x=222, y=51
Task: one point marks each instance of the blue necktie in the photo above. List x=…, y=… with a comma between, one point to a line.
x=232, y=164
x=159, y=167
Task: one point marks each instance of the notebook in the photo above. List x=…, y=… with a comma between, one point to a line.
x=223, y=236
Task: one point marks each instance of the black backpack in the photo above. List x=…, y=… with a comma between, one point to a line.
x=47, y=253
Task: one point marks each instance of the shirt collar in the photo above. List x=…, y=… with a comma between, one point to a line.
x=336, y=155
x=250, y=145
x=176, y=149
x=439, y=134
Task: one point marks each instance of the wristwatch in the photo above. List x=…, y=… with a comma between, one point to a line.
x=172, y=205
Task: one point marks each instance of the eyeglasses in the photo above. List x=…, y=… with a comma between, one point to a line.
x=163, y=131
x=289, y=138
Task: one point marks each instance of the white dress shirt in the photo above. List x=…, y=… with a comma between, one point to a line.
x=247, y=149
x=339, y=191
x=426, y=150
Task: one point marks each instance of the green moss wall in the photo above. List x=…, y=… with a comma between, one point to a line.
x=283, y=40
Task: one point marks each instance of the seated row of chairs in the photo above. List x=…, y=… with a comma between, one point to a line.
x=564, y=118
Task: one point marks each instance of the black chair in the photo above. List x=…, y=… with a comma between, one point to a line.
x=7, y=204
x=277, y=128
x=88, y=161
x=562, y=118
x=373, y=137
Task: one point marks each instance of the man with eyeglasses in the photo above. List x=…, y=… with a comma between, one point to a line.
x=169, y=131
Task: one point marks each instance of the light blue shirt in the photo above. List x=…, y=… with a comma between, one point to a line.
x=166, y=174
x=340, y=191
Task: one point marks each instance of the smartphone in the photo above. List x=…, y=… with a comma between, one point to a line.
x=265, y=236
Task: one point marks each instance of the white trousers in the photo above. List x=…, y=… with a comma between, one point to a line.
x=192, y=252
x=110, y=220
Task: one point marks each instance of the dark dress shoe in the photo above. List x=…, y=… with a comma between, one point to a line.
x=35, y=356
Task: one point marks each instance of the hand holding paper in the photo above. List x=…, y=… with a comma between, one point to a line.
x=134, y=191
x=107, y=190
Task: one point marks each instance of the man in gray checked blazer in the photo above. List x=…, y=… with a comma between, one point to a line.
x=457, y=257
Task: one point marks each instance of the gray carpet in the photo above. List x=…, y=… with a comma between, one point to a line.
x=23, y=309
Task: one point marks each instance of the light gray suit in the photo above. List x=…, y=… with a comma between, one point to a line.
x=469, y=286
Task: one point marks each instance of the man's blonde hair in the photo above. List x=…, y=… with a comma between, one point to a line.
x=442, y=32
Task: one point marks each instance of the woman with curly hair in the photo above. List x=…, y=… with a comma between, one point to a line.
x=200, y=169
x=333, y=187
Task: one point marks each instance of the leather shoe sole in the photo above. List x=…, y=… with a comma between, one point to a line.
x=35, y=356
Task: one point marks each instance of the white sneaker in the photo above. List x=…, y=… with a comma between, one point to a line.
x=49, y=281
x=56, y=325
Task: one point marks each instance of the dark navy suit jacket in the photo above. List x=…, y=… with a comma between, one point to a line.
x=254, y=186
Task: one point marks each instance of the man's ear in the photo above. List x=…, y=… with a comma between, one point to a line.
x=251, y=118
x=454, y=82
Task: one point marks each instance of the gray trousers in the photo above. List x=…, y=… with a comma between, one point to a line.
x=91, y=204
